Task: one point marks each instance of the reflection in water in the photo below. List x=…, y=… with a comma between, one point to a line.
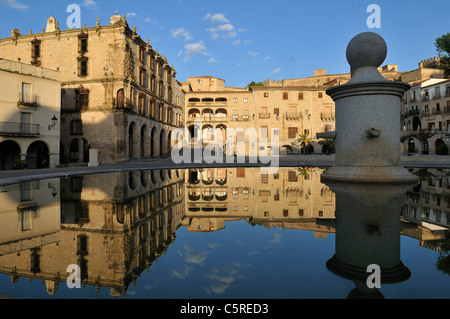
x=368, y=233
x=116, y=226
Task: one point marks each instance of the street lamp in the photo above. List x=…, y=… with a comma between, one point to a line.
x=54, y=120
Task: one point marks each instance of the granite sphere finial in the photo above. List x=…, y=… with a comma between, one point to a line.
x=366, y=49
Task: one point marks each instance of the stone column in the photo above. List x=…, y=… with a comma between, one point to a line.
x=368, y=119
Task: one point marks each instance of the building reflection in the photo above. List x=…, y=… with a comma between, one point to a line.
x=115, y=226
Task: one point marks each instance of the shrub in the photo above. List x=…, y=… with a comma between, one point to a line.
x=442, y=149
x=20, y=164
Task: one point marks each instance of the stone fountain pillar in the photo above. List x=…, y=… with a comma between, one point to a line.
x=368, y=178
x=368, y=119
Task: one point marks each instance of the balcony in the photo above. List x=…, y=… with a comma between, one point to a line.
x=240, y=118
x=18, y=129
x=293, y=116
x=327, y=116
x=27, y=101
x=264, y=116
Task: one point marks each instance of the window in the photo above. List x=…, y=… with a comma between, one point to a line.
x=82, y=66
x=266, y=94
x=199, y=81
x=82, y=100
x=292, y=177
x=35, y=48
x=285, y=96
x=240, y=172
x=245, y=208
x=300, y=213
x=300, y=96
x=266, y=214
x=235, y=208
x=264, y=178
x=285, y=213
x=245, y=100
x=292, y=132
x=142, y=77
x=276, y=197
x=26, y=219
x=235, y=100
x=82, y=246
x=447, y=90
x=83, y=43
x=306, y=132
x=320, y=213
x=76, y=127
x=320, y=95
x=141, y=54
x=264, y=196
x=26, y=94
x=276, y=111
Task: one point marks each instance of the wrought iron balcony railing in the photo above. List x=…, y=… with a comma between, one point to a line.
x=18, y=129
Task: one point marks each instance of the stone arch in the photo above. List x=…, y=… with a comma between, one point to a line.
x=120, y=98
x=9, y=152
x=162, y=142
x=38, y=155
x=286, y=149
x=133, y=141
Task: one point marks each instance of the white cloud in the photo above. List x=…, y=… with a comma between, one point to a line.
x=247, y=41
x=148, y=20
x=251, y=53
x=181, y=32
x=194, y=257
x=242, y=30
x=227, y=31
x=16, y=5
x=213, y=60
x=240, y=63
x=90, y=4
x=216, y=18
x=181, y=274
x=180, y=53
x=194, y=49
x=131, y=14
x=236, y=42
x=277, y=70
x=267, y=58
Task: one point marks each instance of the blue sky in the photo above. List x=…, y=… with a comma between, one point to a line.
x=249, y=40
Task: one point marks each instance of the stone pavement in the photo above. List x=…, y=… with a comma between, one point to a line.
x=14, y=176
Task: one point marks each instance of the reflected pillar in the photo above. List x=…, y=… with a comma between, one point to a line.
x=368, y=229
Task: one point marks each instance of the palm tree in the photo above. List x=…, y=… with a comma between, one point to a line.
x=304, y=141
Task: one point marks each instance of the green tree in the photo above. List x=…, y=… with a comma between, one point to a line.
x=442, y=45
x=304, y=141
x=328, y=146
x=253, y=83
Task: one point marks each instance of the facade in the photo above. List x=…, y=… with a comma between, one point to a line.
x=292, y=108
x=289, y=198
x=30, y=117
x=427, y=106
x=120, y=98
x=113, y=226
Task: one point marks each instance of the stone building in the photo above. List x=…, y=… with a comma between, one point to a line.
x=427, y=106
x=112, y=226
x=120, y=97
x=289, y=197
x=30, y=115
